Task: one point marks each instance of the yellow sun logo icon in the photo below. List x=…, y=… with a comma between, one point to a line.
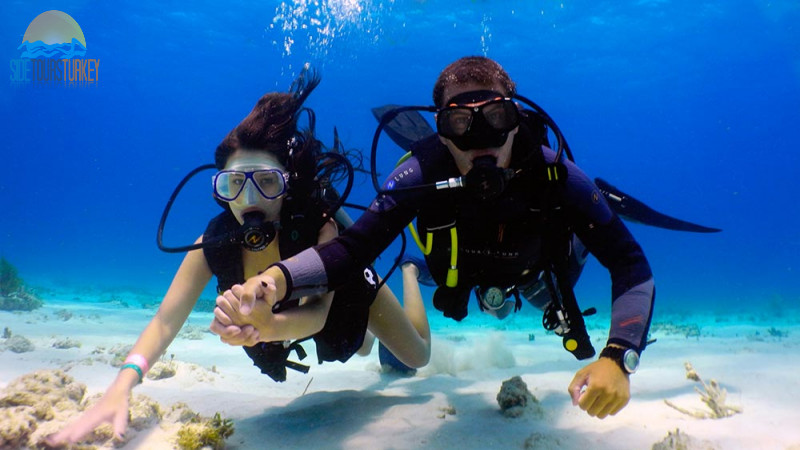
x=53, y=34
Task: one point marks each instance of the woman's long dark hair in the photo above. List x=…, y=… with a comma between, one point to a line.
x=272, y=127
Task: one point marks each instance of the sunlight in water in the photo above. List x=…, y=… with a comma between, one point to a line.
x=486, y=34
x=315, y=25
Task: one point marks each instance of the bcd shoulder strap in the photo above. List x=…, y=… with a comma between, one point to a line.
x=225, y=261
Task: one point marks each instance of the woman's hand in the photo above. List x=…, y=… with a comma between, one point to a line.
x=233, y=326
x=111, y=408
x=229, y=324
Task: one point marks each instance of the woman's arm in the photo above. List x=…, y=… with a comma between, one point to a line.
x=186, y=287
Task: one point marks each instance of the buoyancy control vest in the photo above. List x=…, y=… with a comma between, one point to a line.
x=297, y=233
x=498, y=229
x=300, y=232
x=504, y=242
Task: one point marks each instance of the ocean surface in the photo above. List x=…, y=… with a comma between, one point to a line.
x=690, y=106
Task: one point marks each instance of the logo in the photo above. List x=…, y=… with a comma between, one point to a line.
x=370, y=276
x=52, y=52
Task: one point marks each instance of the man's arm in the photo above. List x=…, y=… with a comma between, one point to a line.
x=608, y=239
x=327, y=266
x=602, y=388
x=632, y=285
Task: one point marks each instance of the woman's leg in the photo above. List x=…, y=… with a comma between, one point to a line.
x=366, y=347
x=403, y=330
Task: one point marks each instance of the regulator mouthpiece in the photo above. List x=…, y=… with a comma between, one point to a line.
x=256, y=234
x=485, y=180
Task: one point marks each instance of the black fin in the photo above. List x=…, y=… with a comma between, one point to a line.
x=337, y=144
x=633, y=210
x=405, y=129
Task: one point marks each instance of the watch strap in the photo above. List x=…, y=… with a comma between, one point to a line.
x=617, y=355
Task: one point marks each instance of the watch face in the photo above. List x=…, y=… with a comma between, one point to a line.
x=631, y=360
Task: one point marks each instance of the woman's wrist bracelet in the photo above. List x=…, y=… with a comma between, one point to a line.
x=138, y=363
x=134, y=367
x=139, y=360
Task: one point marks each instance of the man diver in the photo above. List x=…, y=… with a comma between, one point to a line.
x=497, y=211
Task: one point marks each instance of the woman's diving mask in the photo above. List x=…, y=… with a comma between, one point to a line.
x=229, y=184
x=255, y=232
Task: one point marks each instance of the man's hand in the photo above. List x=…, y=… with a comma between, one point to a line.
x=601, y=388
x=260, y=287
x=233, y=326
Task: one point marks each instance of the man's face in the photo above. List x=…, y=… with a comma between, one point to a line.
x=464, y=158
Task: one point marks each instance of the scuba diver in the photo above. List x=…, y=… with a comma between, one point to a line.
x=276, y=188
x=499, y=214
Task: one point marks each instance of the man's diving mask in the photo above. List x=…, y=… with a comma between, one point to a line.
x=229, y=184
x=483, y=126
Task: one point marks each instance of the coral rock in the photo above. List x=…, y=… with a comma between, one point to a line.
x=682, y=441
x=201, y=433
x=32, y=400
x=45, y=391
x=144, y=412
x=19, y=344
x=161, y=370
x=514, y=397
x=17, y=423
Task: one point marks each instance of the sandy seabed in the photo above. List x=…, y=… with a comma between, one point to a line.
x=449, y=404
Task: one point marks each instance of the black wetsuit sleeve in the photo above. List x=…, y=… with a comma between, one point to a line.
x=608, y=239
x=330, y=265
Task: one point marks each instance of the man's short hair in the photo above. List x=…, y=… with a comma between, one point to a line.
x=471, y=69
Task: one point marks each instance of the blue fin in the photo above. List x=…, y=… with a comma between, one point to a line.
x=424, y=276
x=390, y=362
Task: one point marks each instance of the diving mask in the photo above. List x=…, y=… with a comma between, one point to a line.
x=483, y=126
x=229, y=184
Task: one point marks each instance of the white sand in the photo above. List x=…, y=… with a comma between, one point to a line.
x=354, y=405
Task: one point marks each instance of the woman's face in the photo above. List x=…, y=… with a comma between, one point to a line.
x=250, y=199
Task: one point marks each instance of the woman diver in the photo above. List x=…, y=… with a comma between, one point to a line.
x=273, y=181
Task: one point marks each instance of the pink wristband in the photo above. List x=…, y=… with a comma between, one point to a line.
x=139, y=360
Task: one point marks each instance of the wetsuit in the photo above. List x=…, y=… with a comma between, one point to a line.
x=345, y=325
x=498, y=241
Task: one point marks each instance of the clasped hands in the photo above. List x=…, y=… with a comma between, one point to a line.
x=244, y=312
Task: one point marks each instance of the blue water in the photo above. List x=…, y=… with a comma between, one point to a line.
x=691, y=106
